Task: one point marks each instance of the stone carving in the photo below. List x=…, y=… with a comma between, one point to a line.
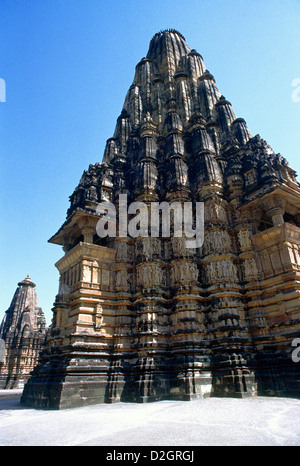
x=251, y=177
x=244, y=239
x=149, y=275
x=182, y=324
x=217, y=240
x=86, y=273
x=98, y=316
x=179, y=246
x=215, y=213
x=184, y=272
x=122, y=250
x=147, y=248
x=224, y=269
x=122, y=279
x=250, y=268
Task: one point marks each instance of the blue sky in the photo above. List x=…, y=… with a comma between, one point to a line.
x=67, y=66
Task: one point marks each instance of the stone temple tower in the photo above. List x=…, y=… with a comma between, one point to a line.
x=146, y=318
x=22, y=333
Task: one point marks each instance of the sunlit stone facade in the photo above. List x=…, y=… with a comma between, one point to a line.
x=144, y=319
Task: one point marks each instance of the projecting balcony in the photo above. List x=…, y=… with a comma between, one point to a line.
x=278, y=250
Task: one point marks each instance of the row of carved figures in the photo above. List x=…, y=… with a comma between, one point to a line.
x=214, y=241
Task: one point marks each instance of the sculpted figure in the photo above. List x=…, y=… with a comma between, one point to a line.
x=250, y=268
x=244, y=239
x=86, y=273
x=122, y=278
x=98, y=316
x=147, y=248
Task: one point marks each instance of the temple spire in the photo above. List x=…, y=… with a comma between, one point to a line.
x=23, y=330
x=143, y=317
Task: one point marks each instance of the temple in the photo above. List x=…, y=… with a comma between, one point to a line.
x=22, y=335
x=146, y=318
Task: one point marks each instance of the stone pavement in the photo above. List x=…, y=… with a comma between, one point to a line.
x=213, y=421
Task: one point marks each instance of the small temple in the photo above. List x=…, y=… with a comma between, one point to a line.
x=22, y=335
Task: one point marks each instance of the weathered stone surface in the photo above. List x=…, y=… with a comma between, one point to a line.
x=22, y=334
x=142, y=319
x=2, y=351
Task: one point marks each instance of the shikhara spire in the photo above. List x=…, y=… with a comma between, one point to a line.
x=145, y=318
x=23, y=331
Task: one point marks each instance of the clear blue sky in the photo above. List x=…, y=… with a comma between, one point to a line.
x=68, y=64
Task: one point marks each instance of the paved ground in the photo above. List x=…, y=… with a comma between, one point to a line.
x=213, y=421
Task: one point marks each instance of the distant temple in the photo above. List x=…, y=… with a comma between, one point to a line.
x=145, y=318
x=22, y=334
